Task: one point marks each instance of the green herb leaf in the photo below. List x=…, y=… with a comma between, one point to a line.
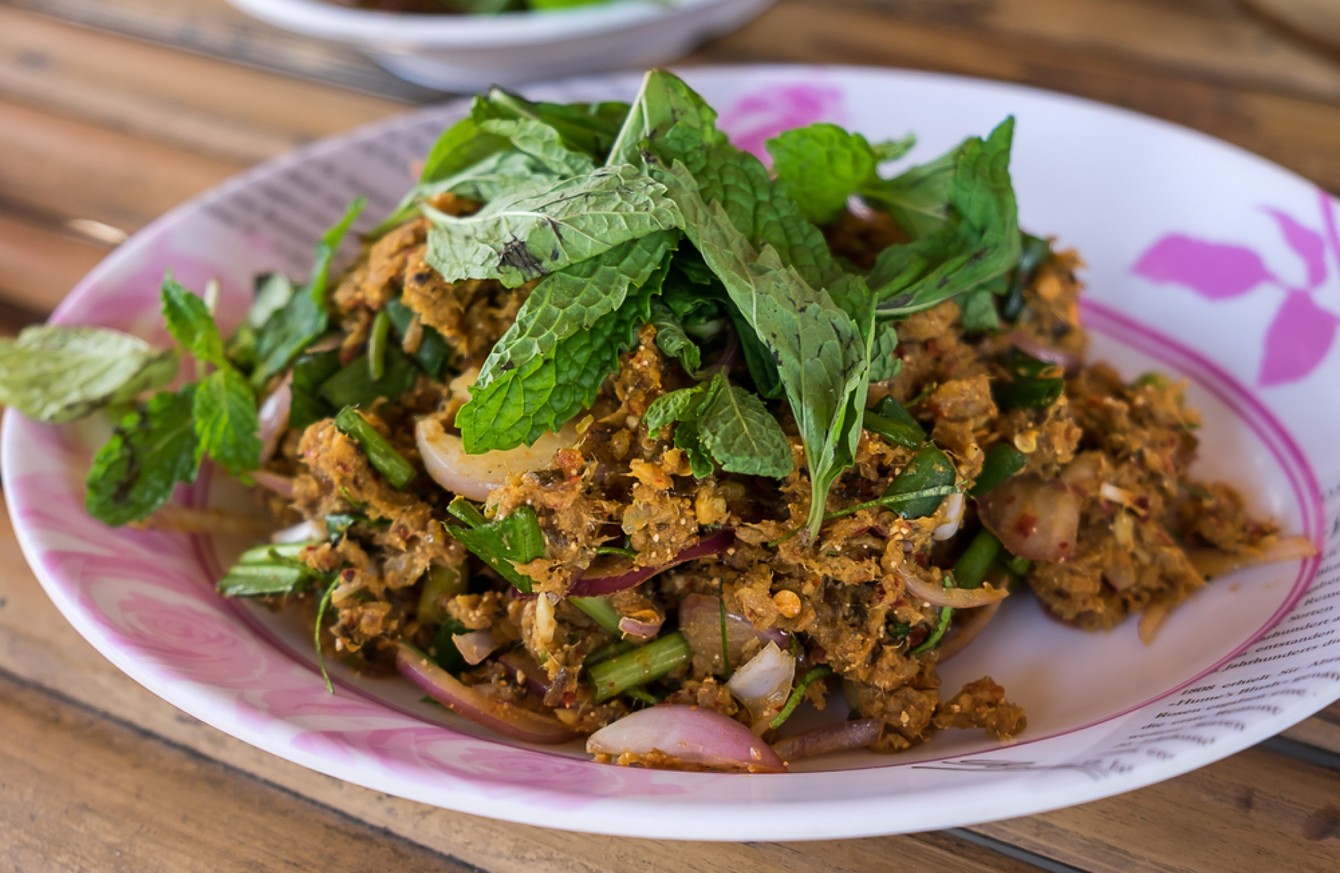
x=884, y=362
x=725, y=423
x=444, y=651
x=152, y=449
x=513, y=539
x=525, y=235
x=673, y=340
x=56, y=373
x=918, y=198
x=574, y=300
x=226, y=424
x=353, y=385
x=310, y=372
x=433, y=352
x=542, y=143
x=191, y=324
x=979, y=241
x=547, y=391
x=929, y=469
x=680, y=122
x=303, y=319
x=821, y=166
x=381, y=454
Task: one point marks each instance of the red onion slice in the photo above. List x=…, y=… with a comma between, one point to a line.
x=525, y=669
x=499, y=715
x=273, y=417
x=475, y=646
x=687, y=737
x=958, y=598
x=764, y=683
x=1034, y=518
x=829, y=738
x=640, y=627
x=700, y=620
x=1036, y=348
x=592, y=584
x=281, y=485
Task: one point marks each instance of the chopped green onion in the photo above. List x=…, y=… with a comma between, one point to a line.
x=604, y=653
x=599, y=610
x=381, y=455
x=725, y=639
x=657, y=658
x=268, y=570
x=1001, y=462
x=377, y=338
x=970, y=569
x=814, y=674
x=441, y=582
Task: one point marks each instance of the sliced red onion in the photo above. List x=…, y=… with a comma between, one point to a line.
x=474, y=476
x=1034, y=518
x=281, y=485
x=499, y=715
x=475, y=646
x=274, y=418
x=953, y=517
x=594, y=583
x=524, y=668
x=642, y=626
x=764, y=682
x=829, y=738
x=967, y=630
x=700, y=620
x=689, y=737
x=1213, y=562
x=302, y=532
x=958, y=598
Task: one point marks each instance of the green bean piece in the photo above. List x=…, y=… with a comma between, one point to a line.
x=377, y=339
x=657, y=658
x=971, y=567
x=442, y=582
x=601, y=611
x=814, y=674
x=1001, y=462
x=891, y=420
x=381, y=455
x=929, y=468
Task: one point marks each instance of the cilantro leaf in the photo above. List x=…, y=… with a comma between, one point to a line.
x=303, y=319
x=573, y=300
x=821, y=166
x=524, y=235
x=226, y=423
x=547, y=391
x=152, y=449
x=58, y=374
x=979, y=242
x=191, y=324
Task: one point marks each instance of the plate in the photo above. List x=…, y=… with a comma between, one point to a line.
x=1203, y=261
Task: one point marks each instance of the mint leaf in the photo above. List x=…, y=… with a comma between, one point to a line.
x=152, y=449
x=821, y=166
x=573, y=300
x=979, y=242
x=522, y=236
x=917, y=199
x=819, y=349
x=190, y=323
x=672, y=114
x=673, y=406
x=893, y=149
x=226, y=424
x=673, y=340
x=721, y=422
x=58, y=374
x=585, y=127
x=520, y=404
x=884, y=364
x=542, y=143
x=513, y=539
x=303, y=319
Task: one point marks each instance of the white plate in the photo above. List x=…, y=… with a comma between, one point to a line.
x=1203, y=260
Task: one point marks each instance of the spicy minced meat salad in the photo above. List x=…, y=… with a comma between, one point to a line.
x=613, y=432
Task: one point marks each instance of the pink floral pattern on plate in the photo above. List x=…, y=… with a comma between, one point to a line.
x=1302, y=332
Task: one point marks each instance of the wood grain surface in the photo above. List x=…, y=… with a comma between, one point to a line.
x=114, y=111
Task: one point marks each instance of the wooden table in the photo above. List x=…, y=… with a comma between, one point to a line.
x=112, y=111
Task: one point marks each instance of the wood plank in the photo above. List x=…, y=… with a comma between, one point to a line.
x=1254, y=811
x=40, y=264
x=38, y=646
x=204, y=105
x=1296, y=132
x=1322, y=731
x=80, y=793
x=48, y=161
x=216, y=29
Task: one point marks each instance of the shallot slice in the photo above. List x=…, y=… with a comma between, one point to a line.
x=701, y=622
x=273, y=418
x=1034, y=518
x=595, y=583
x=687, y=737
x=474, y=476
x=281, y=485
x=764, y=682
x=498, y=715
x=829, y=738
x=475, y=646
x=958, y=598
